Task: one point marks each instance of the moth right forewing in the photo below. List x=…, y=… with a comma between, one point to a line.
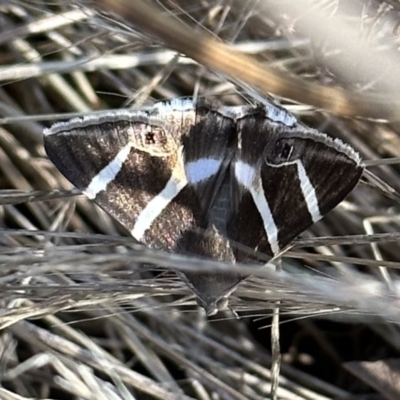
x=130, y=163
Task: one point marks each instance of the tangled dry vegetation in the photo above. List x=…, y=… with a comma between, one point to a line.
x=88, y=314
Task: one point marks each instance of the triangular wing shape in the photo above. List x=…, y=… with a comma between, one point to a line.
x=131, y=164
x=293, y=175
x=195, y=178
x=156, y=172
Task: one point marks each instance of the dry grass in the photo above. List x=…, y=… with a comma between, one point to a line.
x=88, y=314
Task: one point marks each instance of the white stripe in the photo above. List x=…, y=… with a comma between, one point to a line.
x=268, y=220
x=244, y=173
x=158, y=203
x=108, y=173
x=250, y=178
x=307, y=189
x=204, y=168
x=308, y=192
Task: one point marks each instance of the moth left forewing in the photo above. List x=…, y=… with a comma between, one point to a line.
x=333, y=167
x=295, y=175
x=326, y=172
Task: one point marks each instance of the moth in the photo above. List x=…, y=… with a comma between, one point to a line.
x=200, y=177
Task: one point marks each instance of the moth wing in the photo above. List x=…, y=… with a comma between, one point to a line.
x=130, y=164
x=291, y=175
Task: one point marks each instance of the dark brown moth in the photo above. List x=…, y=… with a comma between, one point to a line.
x=197, y=177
